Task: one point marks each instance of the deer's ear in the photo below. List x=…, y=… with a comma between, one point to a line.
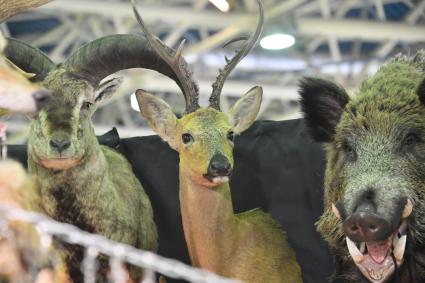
x=159, y=116
x=105, y=90
x=245, y=110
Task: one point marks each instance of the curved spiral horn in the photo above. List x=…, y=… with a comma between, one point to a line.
x=28, y=58
x=104, y=56
x=231, y=63
x=176, y=62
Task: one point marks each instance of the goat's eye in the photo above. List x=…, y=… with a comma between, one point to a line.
x=231, y=136
x=187, y=138
x=86, y=105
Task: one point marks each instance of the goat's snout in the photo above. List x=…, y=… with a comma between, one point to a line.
x=60, y=144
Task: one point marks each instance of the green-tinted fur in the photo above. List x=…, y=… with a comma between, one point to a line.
x=100, y=192
x=107, y=198
x=376, y=121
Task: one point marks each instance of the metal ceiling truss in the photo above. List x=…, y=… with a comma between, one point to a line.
x=341, y=40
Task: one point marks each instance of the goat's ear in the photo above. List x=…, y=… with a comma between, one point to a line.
x=323, y=103
x=245, y=110
x=106, y=89
x=421, y=91
x=159, y=116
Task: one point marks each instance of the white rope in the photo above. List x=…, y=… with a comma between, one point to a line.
x=118, y=253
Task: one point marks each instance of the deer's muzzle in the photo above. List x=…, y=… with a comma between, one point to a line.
x=219, y=169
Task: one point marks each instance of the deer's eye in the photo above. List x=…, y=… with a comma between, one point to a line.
x=231, y=136
x=187, y=138
x=86, y=105
x=350, y=151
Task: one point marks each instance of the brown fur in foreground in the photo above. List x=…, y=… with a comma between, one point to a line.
x=20, y=249
x=248, y=246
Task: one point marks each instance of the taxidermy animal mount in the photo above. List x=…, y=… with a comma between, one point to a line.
x=248, y=246
x=17, y=93
x=10, y=8
x=82, y=182
x=374, y=217
x=22, y=257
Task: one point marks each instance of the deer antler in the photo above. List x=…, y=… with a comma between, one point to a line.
x=176, y=62
x=231, y=63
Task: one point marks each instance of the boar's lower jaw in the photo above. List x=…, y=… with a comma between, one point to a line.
x=377, y=264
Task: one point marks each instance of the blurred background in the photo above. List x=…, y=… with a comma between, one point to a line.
x=342, y=40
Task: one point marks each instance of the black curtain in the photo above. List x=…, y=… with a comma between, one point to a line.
x=277, y=168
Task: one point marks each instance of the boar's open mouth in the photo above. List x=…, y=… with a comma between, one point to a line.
x=377, y=260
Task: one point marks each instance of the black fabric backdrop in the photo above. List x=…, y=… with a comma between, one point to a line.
x=277, y=168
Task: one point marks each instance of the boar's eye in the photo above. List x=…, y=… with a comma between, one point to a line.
x=410, y=140
x=349, y=151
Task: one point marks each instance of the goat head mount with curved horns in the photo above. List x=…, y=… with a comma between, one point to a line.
x=204, y=138
x=82, y=182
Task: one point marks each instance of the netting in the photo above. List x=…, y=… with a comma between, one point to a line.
x=118, y=253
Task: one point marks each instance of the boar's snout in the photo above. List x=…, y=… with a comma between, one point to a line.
x=364, y=225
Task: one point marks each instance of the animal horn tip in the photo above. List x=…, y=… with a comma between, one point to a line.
x=180, y=49
x=141, y=92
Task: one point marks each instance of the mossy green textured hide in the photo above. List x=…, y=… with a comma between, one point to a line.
x=83, y=183
x=375, y=143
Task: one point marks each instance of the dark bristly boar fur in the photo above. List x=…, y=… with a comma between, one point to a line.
x=375, y=173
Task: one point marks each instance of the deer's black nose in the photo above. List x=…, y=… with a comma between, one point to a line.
x=41, y=97
x=219, y=166
x=60, y=144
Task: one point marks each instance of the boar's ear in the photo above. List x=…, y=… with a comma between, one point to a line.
x=421, y=91
x=322, y=103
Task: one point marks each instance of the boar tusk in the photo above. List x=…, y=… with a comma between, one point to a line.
x=336, y=211
x=357, y=256
x=408, y=208
x=400, y=248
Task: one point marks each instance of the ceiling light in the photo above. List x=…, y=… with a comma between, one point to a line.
x=277, y=41
x=222, y=5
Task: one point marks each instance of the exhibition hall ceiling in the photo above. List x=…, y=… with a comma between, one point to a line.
x=343, y=40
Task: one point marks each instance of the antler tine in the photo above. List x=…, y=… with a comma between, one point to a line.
x=177, y=63
x=231, y=64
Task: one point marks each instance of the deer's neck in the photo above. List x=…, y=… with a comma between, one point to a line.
x=208, y=222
